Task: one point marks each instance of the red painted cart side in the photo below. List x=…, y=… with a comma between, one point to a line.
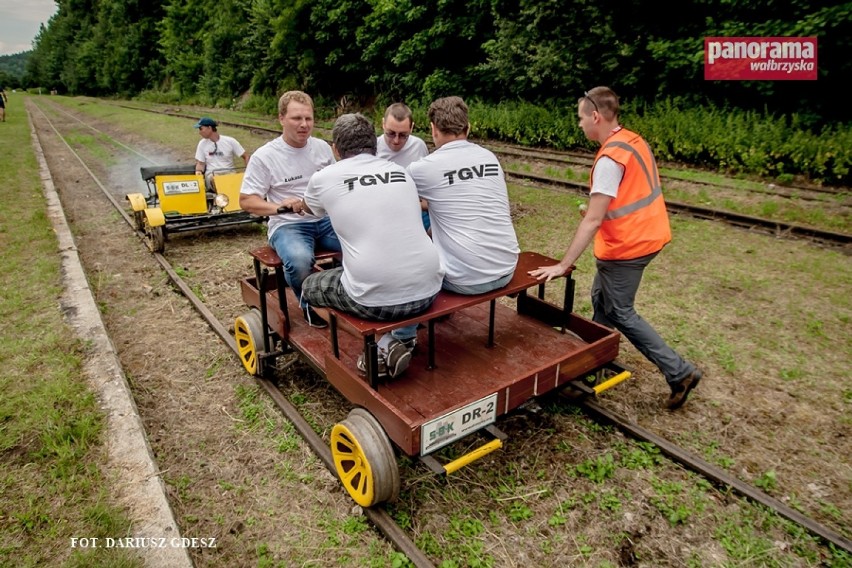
x=537, y=347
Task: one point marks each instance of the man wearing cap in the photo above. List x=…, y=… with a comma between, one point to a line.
x=215, y=152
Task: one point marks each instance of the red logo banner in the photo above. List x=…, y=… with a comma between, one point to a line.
x=760, y=58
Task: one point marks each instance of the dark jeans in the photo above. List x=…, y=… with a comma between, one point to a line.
x=613, y=295
x=295, y=244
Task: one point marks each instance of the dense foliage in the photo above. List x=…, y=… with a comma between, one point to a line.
x=360, y=53
x=532, y=50
x=12, y=69
x=728, y=140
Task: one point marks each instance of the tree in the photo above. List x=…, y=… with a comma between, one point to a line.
x=280, y=46
x=421, y=50
x=181, y=34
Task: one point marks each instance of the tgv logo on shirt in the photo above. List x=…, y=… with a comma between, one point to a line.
x=463, y=174
x=375, y=179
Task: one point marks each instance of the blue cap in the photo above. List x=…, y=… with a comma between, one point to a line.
x=205, y=122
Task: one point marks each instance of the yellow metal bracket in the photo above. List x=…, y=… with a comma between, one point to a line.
x=155, y=217
x=137, y=201
x=473, y=455
x=611, y=382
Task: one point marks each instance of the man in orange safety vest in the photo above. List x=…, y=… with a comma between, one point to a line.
x=627, y=219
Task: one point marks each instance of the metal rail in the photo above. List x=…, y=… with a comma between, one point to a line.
x=587, y=159
x=769, y=226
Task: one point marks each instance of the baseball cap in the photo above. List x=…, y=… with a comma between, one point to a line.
x=206, y=121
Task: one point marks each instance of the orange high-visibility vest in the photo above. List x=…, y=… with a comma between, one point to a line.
x=636, y=223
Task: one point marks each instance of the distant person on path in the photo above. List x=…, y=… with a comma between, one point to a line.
x=3, y=99
x=399, y=145
x=465, y=187
x=628, y=222
x=391, y=268
x=279, y=171
x=215, y=152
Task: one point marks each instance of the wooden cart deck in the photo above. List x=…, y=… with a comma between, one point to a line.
x=528, y=358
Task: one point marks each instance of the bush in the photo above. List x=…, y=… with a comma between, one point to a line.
x=734, y=142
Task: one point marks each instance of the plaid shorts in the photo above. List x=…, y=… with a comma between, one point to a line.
x=325, y=289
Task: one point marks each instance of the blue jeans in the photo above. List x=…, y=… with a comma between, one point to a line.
x=613, y=294
x=410, y=331
x=295, y=244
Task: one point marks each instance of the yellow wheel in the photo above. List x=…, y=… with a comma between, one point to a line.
x=248, y=332
x=155, y=238
x=364, y=461
x=139, y=220
x=387, y=451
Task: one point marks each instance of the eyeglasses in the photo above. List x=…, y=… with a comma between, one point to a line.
x=591, y=100
x=215, y=149
x=400, y=135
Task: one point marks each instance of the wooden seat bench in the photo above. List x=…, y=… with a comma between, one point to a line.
x=445, y=304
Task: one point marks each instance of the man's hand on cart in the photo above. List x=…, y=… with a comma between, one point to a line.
x=548, y=273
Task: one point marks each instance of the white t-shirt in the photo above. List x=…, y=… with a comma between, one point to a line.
x=606, y=177
x=465, y=188
x=219, y=156
x=277, y=171
x=388, y=258
x=414, y=149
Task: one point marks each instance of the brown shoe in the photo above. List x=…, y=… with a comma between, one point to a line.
x=680, y=391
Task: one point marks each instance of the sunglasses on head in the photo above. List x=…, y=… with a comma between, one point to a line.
x=591, y=100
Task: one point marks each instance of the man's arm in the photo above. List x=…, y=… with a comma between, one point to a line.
x=598, y=205
x=256, y=205
x=200, y=167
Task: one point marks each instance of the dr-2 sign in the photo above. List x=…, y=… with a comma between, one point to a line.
x=454, y=425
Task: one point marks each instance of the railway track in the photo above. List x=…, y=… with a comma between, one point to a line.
x=379, y=515
x=749, y=222
x=821, y=193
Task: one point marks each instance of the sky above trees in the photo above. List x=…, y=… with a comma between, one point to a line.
x=19, y=22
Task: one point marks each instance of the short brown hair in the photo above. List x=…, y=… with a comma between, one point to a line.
x=449, y=115
x=602, y=99
x=298, y=96
x=399, y=111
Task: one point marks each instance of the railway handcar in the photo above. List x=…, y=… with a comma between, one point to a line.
x=179, y=200
x=478, y=358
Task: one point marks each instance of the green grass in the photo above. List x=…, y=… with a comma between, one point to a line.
x=51, y=428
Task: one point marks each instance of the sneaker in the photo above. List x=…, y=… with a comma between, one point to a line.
x=398, y=358
x=313, y=318
x=680, y=391
x=392, y=363
x=361, y=364
x=410, y=344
